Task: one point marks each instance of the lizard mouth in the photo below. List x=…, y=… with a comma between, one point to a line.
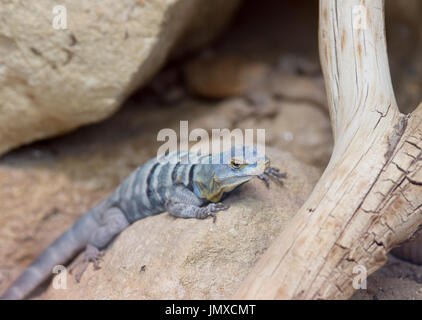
x=264, y=165
x=267, y=163
x=235, y=181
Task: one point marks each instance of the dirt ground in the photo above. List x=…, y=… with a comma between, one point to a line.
x=262, y=73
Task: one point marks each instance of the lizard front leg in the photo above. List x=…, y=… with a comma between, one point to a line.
x=184, y=203
x=114, y=222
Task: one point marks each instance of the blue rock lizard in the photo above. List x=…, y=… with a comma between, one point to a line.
x=184, y=184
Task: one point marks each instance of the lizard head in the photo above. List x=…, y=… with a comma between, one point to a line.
x=233, y=168
x=239, y=165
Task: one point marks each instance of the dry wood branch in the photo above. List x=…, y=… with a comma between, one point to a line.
x=367, y=200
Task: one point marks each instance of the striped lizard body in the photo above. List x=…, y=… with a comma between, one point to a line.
x=145, y=191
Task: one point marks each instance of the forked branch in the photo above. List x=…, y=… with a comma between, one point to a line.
x=368, y=199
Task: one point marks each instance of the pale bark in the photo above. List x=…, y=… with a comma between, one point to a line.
x=369, y=197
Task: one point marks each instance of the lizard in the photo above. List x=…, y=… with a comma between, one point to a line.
x=185, y=184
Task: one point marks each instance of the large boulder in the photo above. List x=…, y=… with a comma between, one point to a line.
x=54, y=80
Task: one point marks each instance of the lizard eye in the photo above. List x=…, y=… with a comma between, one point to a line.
x=236, y=164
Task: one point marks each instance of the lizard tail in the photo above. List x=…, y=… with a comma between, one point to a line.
x=61, y=251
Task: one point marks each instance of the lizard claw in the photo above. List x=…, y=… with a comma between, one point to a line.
x=264, y=178
x=212, y=208
x=219, y=206
x=274, y=173
x=91, y=254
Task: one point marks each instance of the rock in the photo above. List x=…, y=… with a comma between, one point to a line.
x=230, y=112
x=298, y=64
x=299, y=88
x=223, y=76
x=52, y=81
x=163, y=257
x=299, y=127
x=226, y=75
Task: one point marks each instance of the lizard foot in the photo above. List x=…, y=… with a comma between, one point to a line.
x=211, y=209
x=91, y=254
x=274, y=173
